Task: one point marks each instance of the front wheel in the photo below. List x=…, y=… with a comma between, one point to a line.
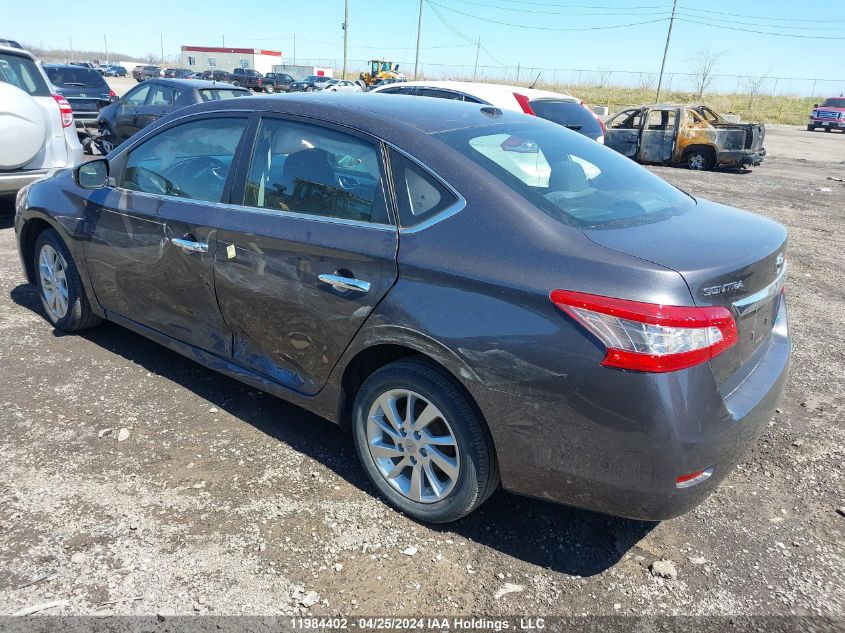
x=828, y=129
x=235, y=83
x=811, y=128
x=105, y=143
x=422, y=444
x=269, y=89
x=59, y=285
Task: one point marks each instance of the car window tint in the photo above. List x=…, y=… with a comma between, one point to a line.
x=571, y=178
x=216, y=94
x=163, y=95
x=308, y=169
x=568, y=114
x=191, y=160
x=75, y=77
x=22, y=73
x=137, y=97
x=420, y=195
x=438, y=94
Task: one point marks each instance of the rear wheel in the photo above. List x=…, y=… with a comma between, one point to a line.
x=235, y=83
x=699, y=159
x=269, y=89
x=59, y=285
x=422, y=444
x=828, y=129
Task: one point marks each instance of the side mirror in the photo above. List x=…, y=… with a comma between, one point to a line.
x=92, y=175
x=815, y=105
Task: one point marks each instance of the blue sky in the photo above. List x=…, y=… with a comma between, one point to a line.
x=388, y=29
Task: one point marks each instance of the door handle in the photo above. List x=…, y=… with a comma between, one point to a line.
x=190, y=246
x=345, y=283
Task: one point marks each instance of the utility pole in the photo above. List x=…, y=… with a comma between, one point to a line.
x=477, y=48
x=345, y=34
x=161, y=38
x=419, y=31
x=294, y=49
x=665, y=51
x=106, y=44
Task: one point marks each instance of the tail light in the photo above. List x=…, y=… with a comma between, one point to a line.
x=650, y=337
x=65, y=110
x=523, y=102
x=112, y=93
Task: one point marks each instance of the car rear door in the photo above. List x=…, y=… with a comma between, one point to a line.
x=159, y=103
x=152, y=237
x=305, y=259
x=658, y=135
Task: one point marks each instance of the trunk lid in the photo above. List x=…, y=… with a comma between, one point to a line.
x=727, y=257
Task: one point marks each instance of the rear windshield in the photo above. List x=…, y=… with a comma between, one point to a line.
x=569, y=114
x=569, y=177
x=834, y=103
x=216, y=94
x=22, y=73
x=75, y=77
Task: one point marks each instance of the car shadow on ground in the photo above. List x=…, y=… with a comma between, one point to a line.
x=7, y=212
x=567, y=540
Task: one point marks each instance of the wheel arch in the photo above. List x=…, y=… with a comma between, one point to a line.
x=711, y=149
x=30, y=231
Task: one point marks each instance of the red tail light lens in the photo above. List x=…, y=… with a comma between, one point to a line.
x=65, y=110
x=523, y=102
x=112, y=93
x=649, y=336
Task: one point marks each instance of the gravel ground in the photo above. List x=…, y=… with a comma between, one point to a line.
x=133, y=481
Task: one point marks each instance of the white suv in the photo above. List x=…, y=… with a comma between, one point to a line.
x=560, y=108
x=37, y=131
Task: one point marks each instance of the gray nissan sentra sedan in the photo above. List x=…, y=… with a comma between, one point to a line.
x=479, y=296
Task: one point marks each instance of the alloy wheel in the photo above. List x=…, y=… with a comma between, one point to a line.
x=413, y=446
x=52, y=269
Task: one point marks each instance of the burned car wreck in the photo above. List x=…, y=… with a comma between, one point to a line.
x=690, y=135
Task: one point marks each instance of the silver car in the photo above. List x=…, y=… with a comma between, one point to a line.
x=37, y=130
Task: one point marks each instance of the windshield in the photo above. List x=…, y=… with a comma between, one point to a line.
x=569, y=177
x=834, y=103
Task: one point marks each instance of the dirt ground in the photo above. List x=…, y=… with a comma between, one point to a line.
x=223, y=500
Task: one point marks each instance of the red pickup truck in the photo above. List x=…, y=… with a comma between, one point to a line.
x=830, y=115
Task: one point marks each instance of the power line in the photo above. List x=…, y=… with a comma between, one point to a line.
x=548, y=28
x=766, y=26
x=520, y=8
x=759, y=17
x=736, y=28
x=461, y=35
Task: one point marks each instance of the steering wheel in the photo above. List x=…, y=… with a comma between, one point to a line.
x=203, y=173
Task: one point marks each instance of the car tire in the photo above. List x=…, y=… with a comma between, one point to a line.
x=269, y=89
x=811, y=128
x=59, y=285
x=309, y=89
x=469, y=472
x=828, y=129
x=235, y=83
x=699, y=159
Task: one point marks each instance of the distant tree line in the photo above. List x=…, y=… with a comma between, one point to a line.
x=66, y=55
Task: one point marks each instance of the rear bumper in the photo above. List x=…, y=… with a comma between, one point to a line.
x=618, y=445
x=740, y=158
x=11, y=182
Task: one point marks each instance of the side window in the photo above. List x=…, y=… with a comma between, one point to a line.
x=655, y=119
x=309, y=169
x=438, y=94
x=137, y=97
x=420, y=195
x=212, y=62
x=191, y=160
x=163, y=95
x=470, y=99
x=626, y=120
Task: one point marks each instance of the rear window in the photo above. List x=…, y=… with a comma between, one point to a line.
x=23, y=73
x=571, y=178
x=216, y=94
x=75, y=77
x=568, y=114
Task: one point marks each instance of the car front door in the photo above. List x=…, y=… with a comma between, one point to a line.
x=126, y=114
x=151, y=243
x=159, y=103
x=305, y=259
x=658, y=136
x=623, y=132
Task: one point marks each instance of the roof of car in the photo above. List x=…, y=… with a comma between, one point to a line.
x=480, y=89
x=199, y=84
x=363, y=111
x=16, y=51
